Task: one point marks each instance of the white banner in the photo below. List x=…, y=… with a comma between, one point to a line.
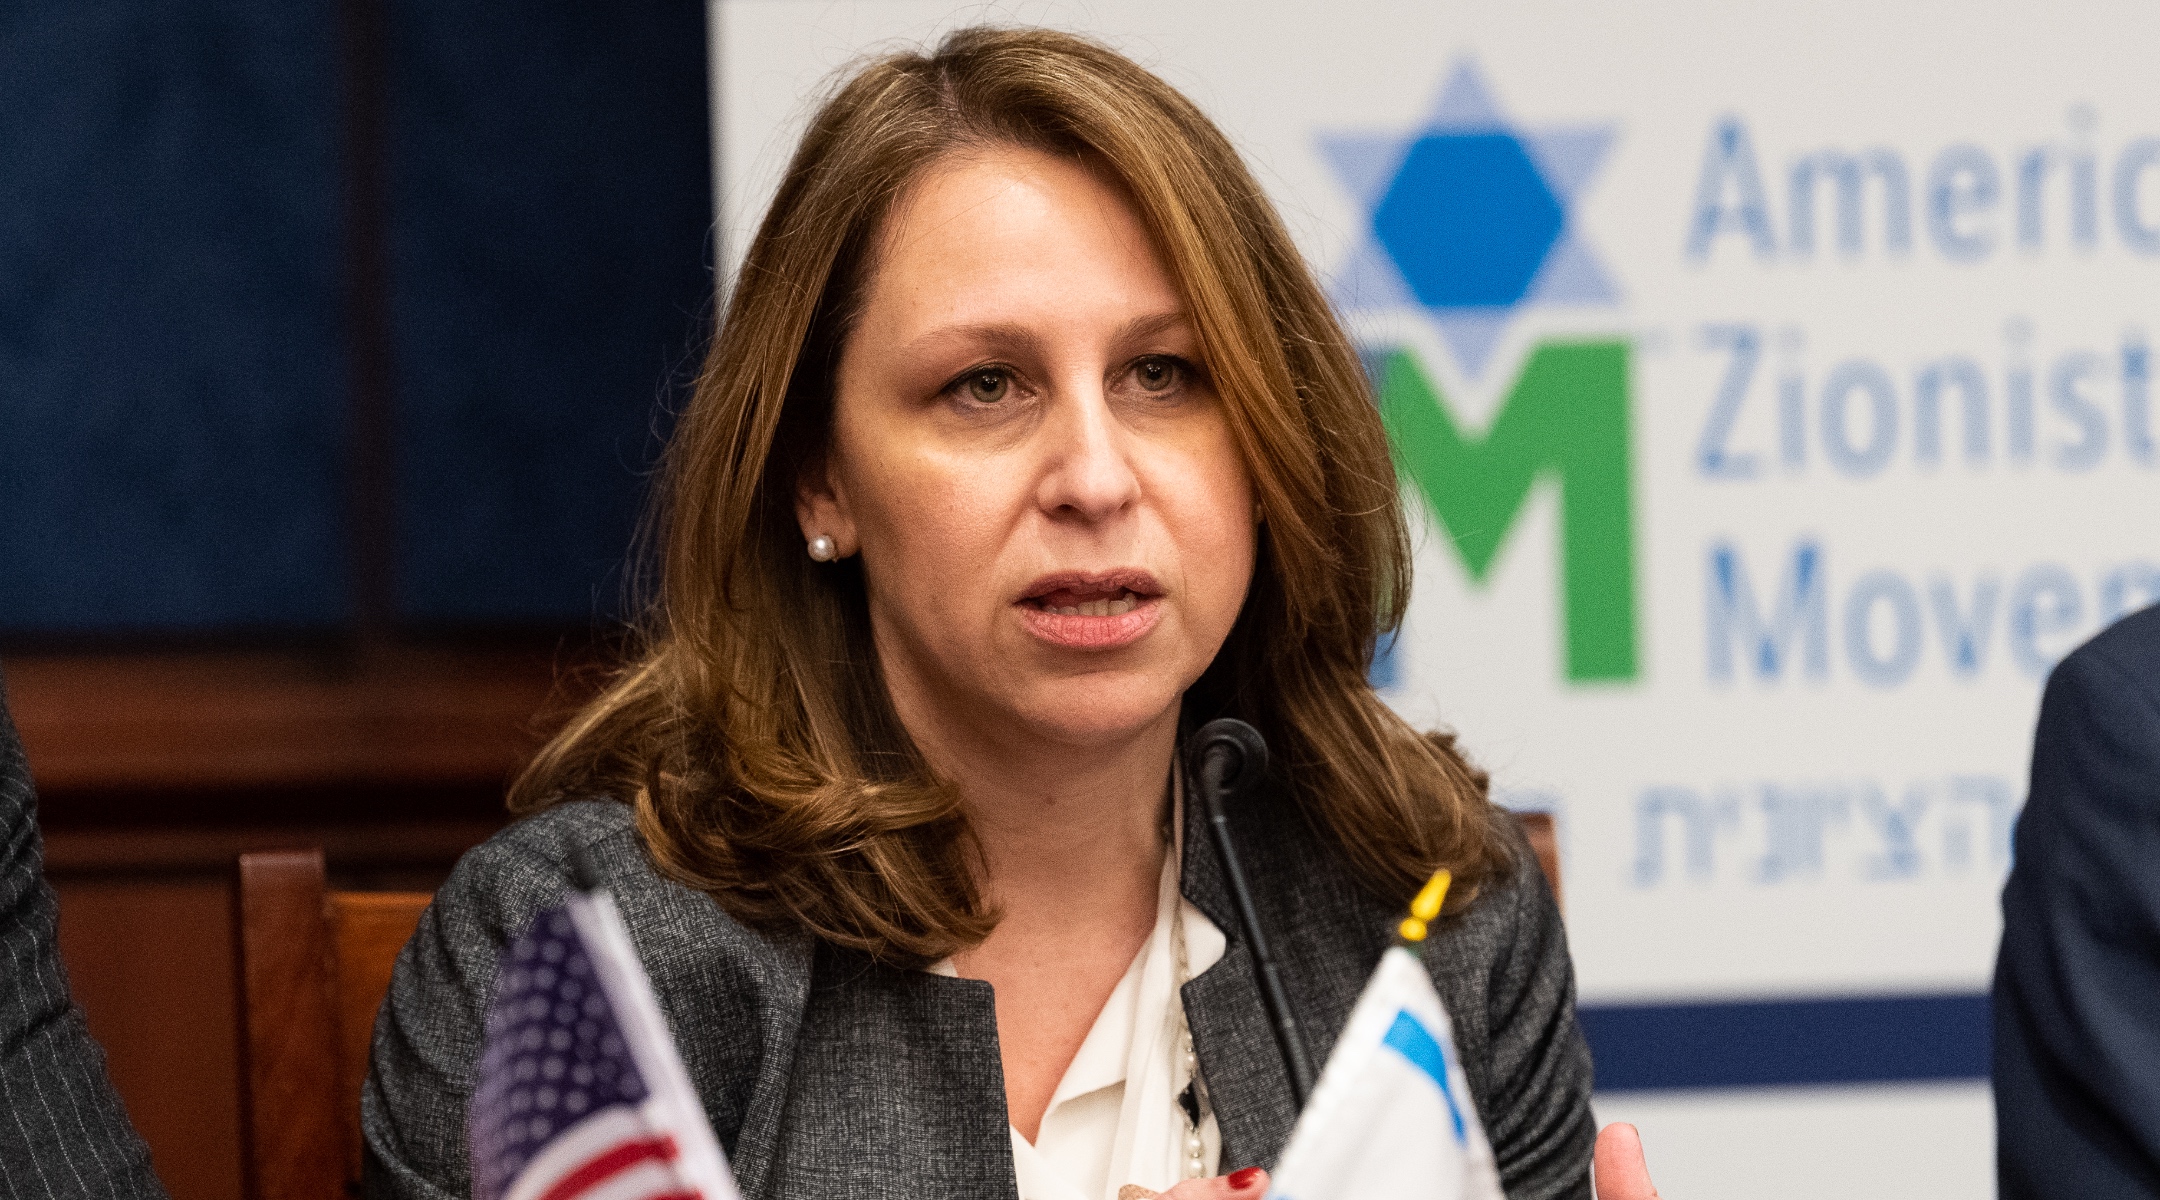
x=1774, y=385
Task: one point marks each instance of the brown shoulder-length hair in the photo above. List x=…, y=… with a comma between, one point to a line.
x=752, y=730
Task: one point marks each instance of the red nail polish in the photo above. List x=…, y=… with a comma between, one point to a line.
x=1241, y=1180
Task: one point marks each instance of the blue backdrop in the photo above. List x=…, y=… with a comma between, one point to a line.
x=177, y=400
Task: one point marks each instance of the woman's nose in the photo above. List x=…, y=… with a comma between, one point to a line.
x=1088, y=469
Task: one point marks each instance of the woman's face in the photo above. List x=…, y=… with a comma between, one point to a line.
x=1056, y=528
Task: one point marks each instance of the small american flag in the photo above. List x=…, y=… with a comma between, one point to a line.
x=581, y=1093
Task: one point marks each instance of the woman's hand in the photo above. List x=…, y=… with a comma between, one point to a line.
x=1248, y=1184
x=1617, y=1166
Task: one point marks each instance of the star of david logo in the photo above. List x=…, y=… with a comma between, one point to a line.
x=1469, y=218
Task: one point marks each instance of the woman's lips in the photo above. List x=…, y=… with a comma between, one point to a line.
x=1094, y=626
x=1092, y=612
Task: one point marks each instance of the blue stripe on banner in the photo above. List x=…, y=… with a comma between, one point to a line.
x=1409, y=1038
x=1774, y=1043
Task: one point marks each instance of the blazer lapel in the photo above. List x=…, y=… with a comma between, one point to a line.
x=1326, y=940
x=896, y=1091
x=751, y=1155
x=1248, y=1085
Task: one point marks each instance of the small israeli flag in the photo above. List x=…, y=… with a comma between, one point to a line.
x=1391, y=1116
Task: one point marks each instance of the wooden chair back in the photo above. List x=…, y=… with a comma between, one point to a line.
x=314, y=966
x=1545, y=843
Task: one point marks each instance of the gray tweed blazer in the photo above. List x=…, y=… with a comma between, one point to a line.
x=827, y=1075
x=62, y=1130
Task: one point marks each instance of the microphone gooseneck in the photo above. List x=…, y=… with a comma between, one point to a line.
x=1230, y=757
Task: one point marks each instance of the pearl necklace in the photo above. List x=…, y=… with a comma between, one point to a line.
x=1192, y=1103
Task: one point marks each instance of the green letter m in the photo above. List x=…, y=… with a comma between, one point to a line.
x=1566, y=418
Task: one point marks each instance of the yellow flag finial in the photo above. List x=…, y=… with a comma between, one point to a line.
x=1426, y=906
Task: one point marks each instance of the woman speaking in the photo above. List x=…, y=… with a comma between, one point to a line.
x=1026, y=445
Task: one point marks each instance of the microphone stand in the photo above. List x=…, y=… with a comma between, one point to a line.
x=1230, y=757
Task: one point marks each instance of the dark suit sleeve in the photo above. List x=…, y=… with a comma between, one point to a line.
x=2077, y=984
x=62, y=1130
x=1539, y=1117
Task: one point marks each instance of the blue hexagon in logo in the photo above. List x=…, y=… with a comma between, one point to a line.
x=1469, y=218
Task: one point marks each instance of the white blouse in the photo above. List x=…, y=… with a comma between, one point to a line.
x=1114, y=1120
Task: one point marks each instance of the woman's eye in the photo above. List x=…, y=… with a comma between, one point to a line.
x=1157, y=374
x=987, y=387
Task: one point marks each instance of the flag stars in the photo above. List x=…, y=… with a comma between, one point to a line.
x=553, y=1055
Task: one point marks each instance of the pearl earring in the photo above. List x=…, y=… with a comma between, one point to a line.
x=822, y=549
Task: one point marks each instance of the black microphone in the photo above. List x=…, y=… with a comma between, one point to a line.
x=1228, y=758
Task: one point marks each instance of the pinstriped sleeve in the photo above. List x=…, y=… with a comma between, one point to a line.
x=62, y=1130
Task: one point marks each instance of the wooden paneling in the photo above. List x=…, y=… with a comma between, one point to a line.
x=151, y=964
x=156, y=771
x=375, y=854
x=246, y=720
x=1545, y=843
